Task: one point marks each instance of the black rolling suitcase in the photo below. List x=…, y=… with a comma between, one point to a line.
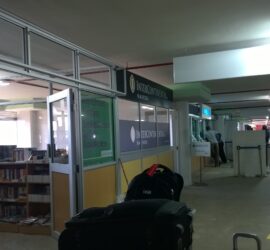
x=156, y=224
x=156, y=182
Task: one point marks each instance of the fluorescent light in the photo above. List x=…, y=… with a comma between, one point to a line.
x=3, y=83
x=148, y=108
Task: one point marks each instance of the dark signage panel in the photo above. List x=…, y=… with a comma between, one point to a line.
x=194, y=110
x=145, y=91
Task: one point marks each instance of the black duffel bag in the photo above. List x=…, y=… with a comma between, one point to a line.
x=156, y=182
x=154, y=224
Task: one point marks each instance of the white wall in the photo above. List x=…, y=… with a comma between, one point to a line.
x=29, y=131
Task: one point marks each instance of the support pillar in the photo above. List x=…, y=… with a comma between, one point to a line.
x=183, y=140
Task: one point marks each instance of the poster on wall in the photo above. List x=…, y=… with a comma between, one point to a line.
x=132, y=138
x=163, y=134
x=130, y=135
x=97, y=131
x=148, y=135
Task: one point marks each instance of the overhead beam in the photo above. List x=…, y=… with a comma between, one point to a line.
x=222, y=65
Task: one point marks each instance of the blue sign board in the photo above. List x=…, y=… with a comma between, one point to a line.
x=132, y=138
x=130, y=135
x=163, y=134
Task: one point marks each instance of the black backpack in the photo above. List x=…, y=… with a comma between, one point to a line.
x=156, y=182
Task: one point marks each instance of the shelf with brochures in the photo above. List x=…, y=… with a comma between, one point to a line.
x=24, y=195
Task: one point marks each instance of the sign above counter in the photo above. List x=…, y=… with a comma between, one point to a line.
x=142, y=90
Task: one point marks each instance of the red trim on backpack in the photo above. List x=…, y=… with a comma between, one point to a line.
x=151, y=171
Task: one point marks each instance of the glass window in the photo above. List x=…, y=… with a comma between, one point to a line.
x=8, y=130
x=97, y=129
x=51, y=56
x=60, y=131
x=148, y=126
x=11, y=41
x=163, y=127
x=95, y=72
x=129, y=125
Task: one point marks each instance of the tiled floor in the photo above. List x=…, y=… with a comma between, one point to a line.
x=225, y=205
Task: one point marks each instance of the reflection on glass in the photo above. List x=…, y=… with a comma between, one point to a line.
x=94, y=71
x=163, y=127
x=11, y=45
x=147, y=113
x=148, y=126
x=128, y=110
x=60, y=129
x=129, y=125
x=51, y=56
x=97, y=129
x=162, y=115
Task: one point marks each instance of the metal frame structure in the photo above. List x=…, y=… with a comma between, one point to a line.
x=24, y=67
x=29, y=70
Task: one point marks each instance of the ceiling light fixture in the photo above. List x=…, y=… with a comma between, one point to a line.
x=3, y=83
x=147, y=108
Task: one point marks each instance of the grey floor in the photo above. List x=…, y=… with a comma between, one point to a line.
x=225, y=205
x=14, y=241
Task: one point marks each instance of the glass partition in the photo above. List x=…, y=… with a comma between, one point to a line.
x=11, y=41
x=129, y=125
x=163, y=127
x=148, y=126
x=94, y=71
x=51, y=56
x=97, y=129
x=60, y=132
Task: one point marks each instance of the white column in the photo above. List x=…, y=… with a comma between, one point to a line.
x=183, y=141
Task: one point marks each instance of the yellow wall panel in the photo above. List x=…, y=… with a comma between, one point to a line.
x=60, y=200
x=99, y=187
x=166, y=158
x=132, y=168
x=149, y=161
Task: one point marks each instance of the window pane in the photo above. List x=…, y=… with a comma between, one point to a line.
x=147, y=113
x=95, y=72
x=148, y=126
x=11, y=41
x=129, y=125
x=8, y=130
x=97, y=129
x=60, y=131
x=163, y=127
x=51, y=56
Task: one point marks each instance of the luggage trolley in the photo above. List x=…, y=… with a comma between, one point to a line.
x=236, y=236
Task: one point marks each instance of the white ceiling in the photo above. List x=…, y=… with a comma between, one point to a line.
x=137, y=33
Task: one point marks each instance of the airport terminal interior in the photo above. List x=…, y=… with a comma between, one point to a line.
x=92, y=94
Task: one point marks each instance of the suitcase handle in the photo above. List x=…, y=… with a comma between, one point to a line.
x=246, y=235
x=152, y=170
